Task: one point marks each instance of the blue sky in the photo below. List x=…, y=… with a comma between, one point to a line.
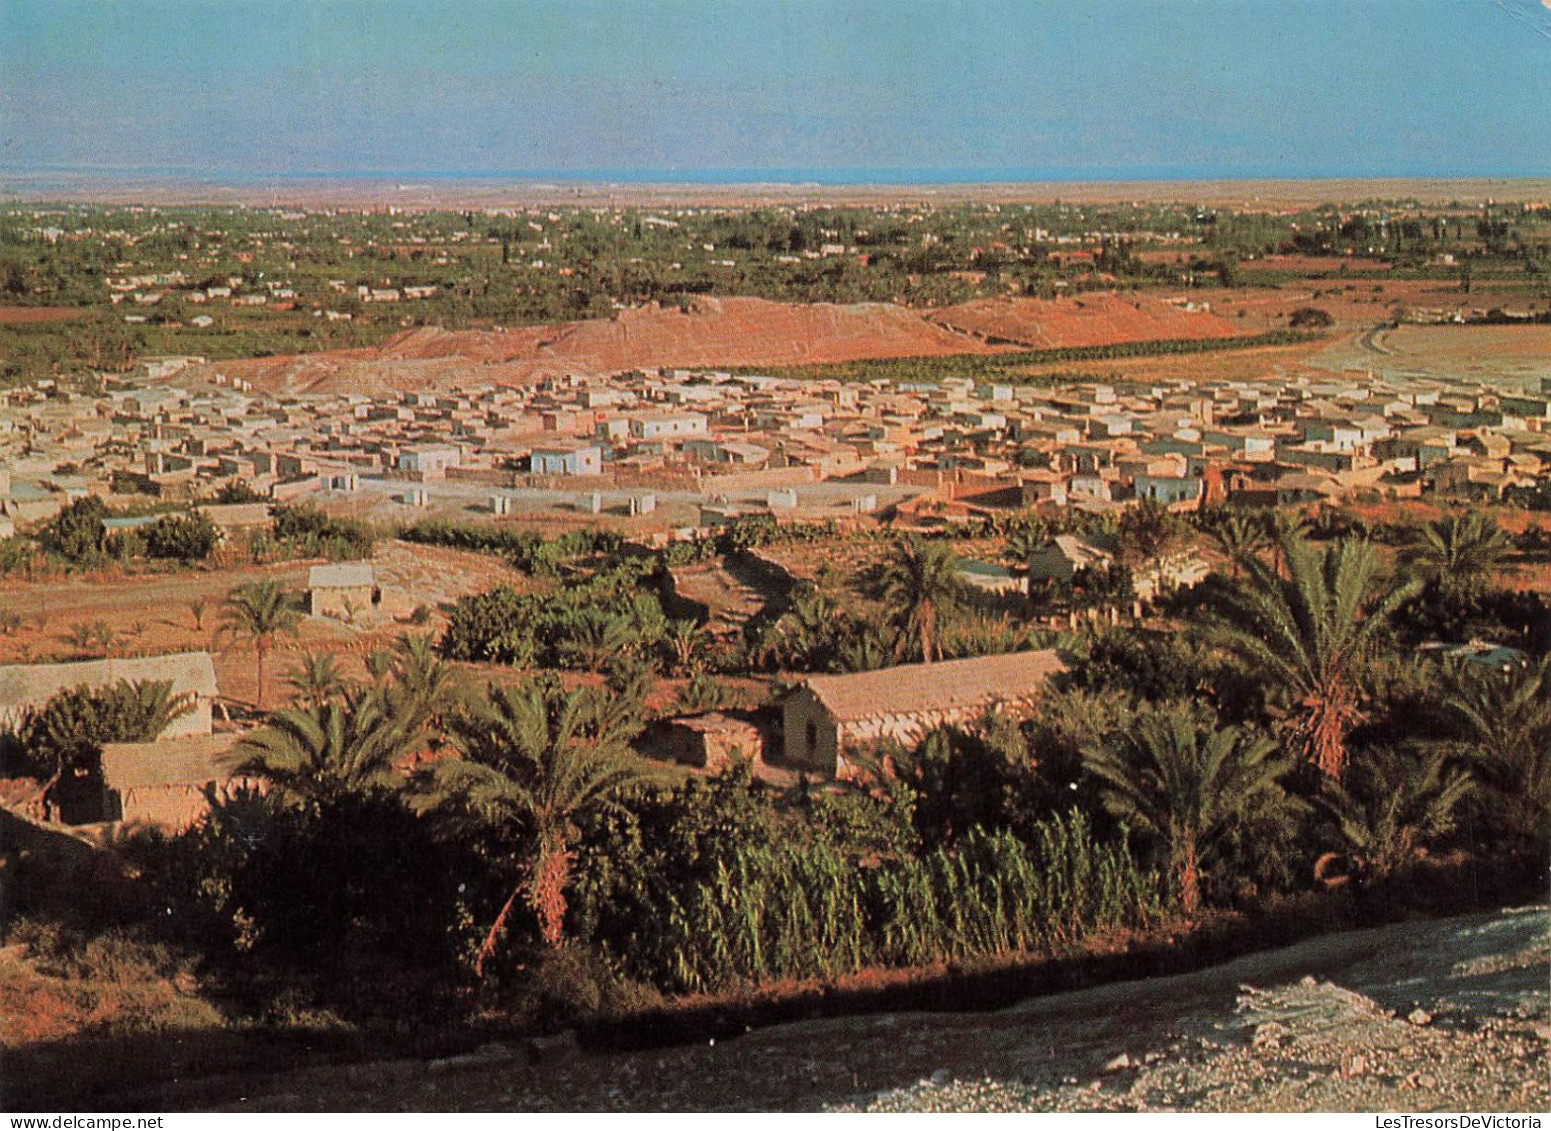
x=814, y=89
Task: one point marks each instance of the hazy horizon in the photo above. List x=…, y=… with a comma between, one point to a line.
x=836, y=92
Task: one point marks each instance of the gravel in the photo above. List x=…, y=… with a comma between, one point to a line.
x=1474, y=1040
x=1433, y=1015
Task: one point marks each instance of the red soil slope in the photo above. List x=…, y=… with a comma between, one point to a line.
x=711, y=332
x=722, y=332
x=1098, y=319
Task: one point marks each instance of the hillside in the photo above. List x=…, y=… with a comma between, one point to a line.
x=710, y=332
x=1099, y=319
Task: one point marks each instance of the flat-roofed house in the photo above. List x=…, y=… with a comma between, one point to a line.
x=429, y=461
x=567, y=459
x=342, y=589
x=163, y=783
x=25, y=686
x=827, y=718
x=1063, y=556
x=711, y=740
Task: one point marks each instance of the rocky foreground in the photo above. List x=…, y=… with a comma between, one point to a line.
x=1473, y=1040
x=1432, y=1015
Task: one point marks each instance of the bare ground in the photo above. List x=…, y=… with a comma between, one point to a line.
x=1422, y=1016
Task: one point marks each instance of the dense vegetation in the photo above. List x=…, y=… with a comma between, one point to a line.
x=504, y=849
x=541, y=264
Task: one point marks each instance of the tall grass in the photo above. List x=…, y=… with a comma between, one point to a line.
x=799, y=911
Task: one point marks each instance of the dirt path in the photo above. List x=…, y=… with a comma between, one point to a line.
x=1417, y=1016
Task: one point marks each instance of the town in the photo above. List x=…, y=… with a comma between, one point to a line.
x=885, y=567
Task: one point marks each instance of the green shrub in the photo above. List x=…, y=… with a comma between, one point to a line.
x=188, y=537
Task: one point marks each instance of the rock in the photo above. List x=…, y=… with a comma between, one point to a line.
x=554, y=1046
x=1269, y=1036
x=455, y=1063
x=1119, y=1063
x=1308, y=980
x=1419, y=1017
x=941, y=1077
x=1354, y=1065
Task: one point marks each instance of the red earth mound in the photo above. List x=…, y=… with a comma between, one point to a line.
x=712, y=331
x=1098, y=319
x=723, y=332
x=708, y=332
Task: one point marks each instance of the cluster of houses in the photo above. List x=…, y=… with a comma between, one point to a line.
x=185, y=429
x=826, y=722
x=956, y=447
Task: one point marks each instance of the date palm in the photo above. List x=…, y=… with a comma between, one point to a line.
x=686, y=640
x=1395, y=803
x=316, y=679
x=1461, y=550
x=536, y=758
x=804, y=634
x=1177, y=776
x=919, y=581
x=422, y=689
x=1283, y=527
x=1308, y=637
x=595, y=637
x=1240, y=538
x=1025, y=538
x=1506, y=718
x=352, y=742
x=258, y=612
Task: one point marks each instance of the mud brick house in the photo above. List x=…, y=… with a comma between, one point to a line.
x=1063, y=556
x=828, y=717
x=164, y=783
x=25, y=686
x=81, y=798
x=711, y=740
x=342, y=590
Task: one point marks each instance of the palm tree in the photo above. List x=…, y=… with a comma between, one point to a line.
x=538, y=757
x=802, y=634
x=317, y=679
x=260, y=611
x=686, y=640
x=1283, y=527
x=1461, y=550
x=1308, y=635
x=1507, y=718
x=352, y=742
x=1241, y=538
x=423, y=689
x=595, y=637
x=919, y=580
x=1179, y=777
x=1394, y=803
x=867, y=650
x=1024, y=538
